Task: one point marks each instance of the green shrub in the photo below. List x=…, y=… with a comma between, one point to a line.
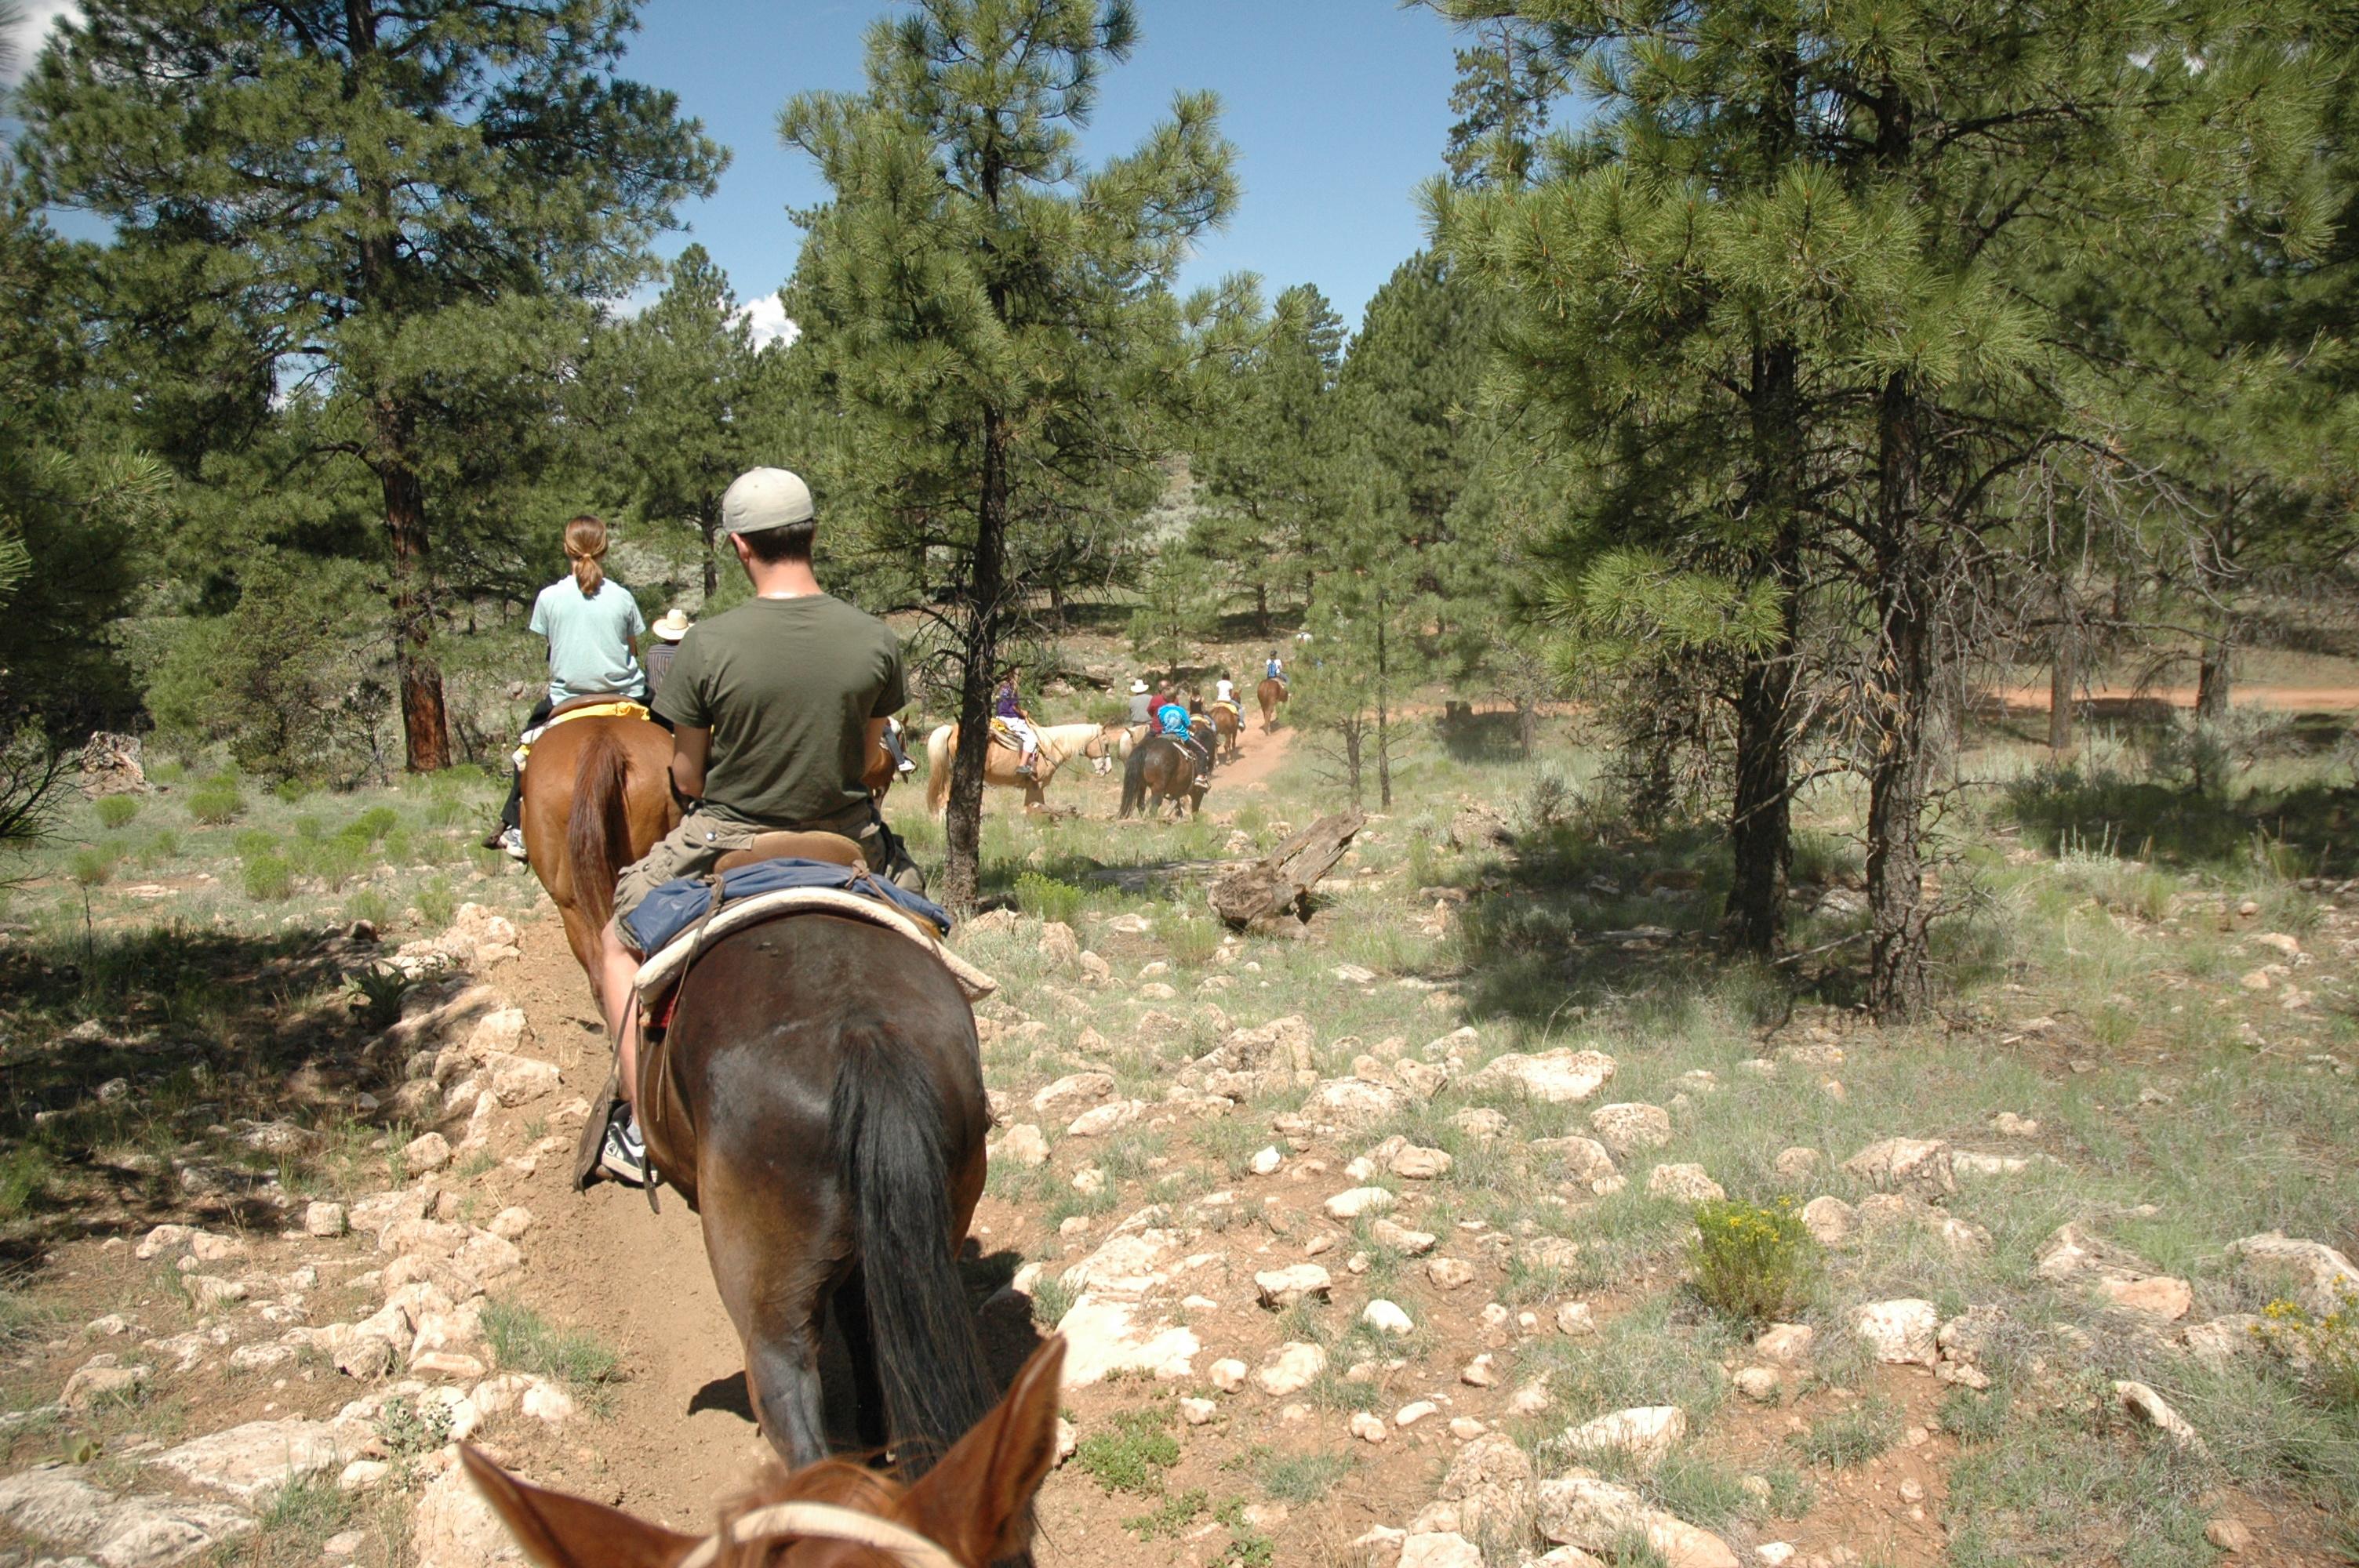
x=2324, y=1347
x=437, y=904
x=1134, y=1455
x=1751, y=1261
x=375, y=996
x=91, y=866
x=267, y=877
x=1191, y=941
x=1849, y=1436
x=309, y=826
x=291, y=789
x=370, y=825
x=524, y=1341
x=212, y=805
x=372, y=905
x=1048, y=898
x=336, y=861
x=115, y=811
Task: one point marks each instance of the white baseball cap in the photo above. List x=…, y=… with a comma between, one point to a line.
x=762, y=499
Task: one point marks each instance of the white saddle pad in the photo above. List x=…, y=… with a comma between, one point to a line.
x=660, y=971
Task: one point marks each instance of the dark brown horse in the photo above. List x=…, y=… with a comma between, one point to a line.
x=973, y=1510
x=597, y=794
x=1272, y=694
x=1160, y=769
x=819, y=1103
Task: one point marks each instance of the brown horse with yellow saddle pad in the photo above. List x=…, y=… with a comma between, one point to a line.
x=597, y=794
x=1228, y=728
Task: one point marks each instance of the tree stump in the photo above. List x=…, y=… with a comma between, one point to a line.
x=1283, y=879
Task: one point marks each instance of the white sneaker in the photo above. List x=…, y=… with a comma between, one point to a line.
x=512, y=843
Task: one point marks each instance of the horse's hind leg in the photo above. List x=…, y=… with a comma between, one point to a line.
x=782, y=1365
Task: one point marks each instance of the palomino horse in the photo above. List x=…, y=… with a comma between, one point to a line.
x=1160, y=769
x=1272, y=694
x=1229, y=725
x=973, y=1510
x=597, y=794
x=1060, y=744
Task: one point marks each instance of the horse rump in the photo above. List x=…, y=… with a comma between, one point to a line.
x=890, y=1133
x=598, y=824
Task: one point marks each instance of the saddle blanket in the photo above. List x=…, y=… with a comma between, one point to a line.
x=1234, y=710
x=621, y=707
x=670, y=924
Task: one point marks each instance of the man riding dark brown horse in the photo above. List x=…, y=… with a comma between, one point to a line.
x=777, y=707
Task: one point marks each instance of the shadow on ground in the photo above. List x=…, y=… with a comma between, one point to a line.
x=171, y=1071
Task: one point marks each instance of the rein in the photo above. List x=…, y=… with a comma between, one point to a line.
x=823, y=1521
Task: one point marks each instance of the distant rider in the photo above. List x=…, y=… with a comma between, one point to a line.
x=1225, y=690
x=1276, y=668
x=778, y=707
x=668, y=629
x=593, y=625
x=1007, y=708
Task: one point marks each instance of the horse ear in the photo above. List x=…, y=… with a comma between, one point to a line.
x=977, y=1503
x=560, y=1531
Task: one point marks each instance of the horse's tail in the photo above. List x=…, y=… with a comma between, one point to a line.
x=1134, y=779
x=598, y=827
x=891, y=1131
x=938, y=767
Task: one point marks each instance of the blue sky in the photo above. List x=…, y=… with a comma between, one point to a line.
x=1338, y=109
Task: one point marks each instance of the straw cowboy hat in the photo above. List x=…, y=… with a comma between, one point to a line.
x=1138, y=688
x=673, y=626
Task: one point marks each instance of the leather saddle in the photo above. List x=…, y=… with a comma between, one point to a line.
x=835, y=849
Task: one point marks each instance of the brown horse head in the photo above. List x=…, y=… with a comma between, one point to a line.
x=973, y=1510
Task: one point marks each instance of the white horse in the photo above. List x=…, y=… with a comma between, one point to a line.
x=1060, y=744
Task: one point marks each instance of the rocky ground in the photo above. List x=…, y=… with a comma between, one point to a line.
x=1362, y=1257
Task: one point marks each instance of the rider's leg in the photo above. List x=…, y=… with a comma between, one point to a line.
x=618, y=967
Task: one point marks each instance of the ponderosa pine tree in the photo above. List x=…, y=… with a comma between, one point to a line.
x=990, y=321
x=1268, y=455
x=399, y=203
x=685, y=402
x=1803, y=249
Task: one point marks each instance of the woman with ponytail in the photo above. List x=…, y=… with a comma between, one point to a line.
x=593, y=625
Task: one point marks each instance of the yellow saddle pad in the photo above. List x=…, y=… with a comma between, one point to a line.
x=621, y=707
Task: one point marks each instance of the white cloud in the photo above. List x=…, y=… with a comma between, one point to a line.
x=767, y=317
x=28, y=35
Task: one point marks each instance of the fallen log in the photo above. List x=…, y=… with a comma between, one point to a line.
x=1282, y=879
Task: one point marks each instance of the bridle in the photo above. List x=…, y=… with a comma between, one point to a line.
x=823, y=1521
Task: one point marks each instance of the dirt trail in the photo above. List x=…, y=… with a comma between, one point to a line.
x=683, y=1439
x=2277, y=698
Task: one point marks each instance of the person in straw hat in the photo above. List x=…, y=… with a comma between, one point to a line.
x=669, y=628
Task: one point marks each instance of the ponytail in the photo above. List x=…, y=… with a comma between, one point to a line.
x=585, y=546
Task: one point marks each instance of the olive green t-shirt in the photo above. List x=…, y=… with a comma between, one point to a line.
x=787, y=686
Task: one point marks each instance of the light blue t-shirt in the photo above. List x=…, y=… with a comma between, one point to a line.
x=589, y=640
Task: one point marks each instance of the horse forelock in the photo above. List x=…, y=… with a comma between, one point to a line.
x=845, y=1483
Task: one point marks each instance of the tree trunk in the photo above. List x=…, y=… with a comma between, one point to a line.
x=425, y=726
x=2061, y=684
x=1261, y=608
x=1760, y=826
x=963, y=826
x=2211, y=678
x=1527, y=724
x=1899, y=983
x=710, y=526
x=1057, y=605
x=1351, y=773
x=1384, y=722
x=1760, y=818
x=1282, y=879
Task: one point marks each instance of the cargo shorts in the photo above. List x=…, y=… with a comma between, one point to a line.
x=696, y=846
